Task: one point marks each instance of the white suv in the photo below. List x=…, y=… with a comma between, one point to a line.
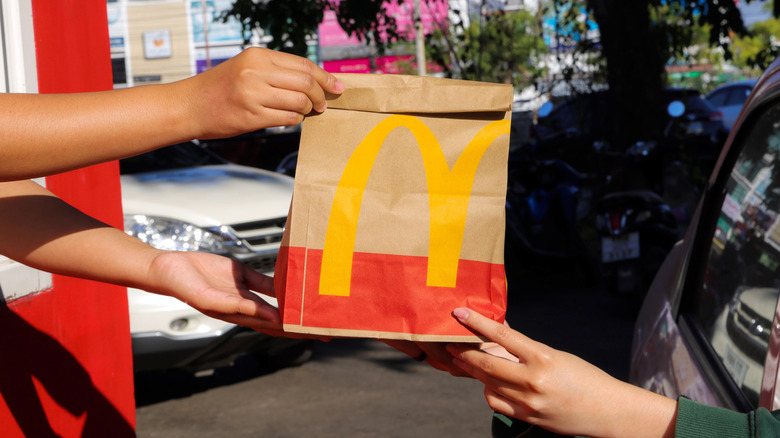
x=185, y=198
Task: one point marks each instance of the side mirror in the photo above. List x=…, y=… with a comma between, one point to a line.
x=545, y=109
x=675, y=108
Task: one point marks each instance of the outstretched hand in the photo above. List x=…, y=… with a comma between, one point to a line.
x=218, y=287
x=533, y=382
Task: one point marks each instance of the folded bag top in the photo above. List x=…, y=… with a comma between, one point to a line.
x=419, y=94
x=398, y=210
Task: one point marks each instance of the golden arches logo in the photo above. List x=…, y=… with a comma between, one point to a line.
x=448, y=199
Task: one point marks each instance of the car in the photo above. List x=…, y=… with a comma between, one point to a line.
x=185, y=198
x=709, y=327
x=576, y=131
x=729, y=98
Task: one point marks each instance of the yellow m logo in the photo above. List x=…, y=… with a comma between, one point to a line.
x=448, y=199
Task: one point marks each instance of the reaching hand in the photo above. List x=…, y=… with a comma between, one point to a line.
x=558, y=391
x=218, y=287
x=433, y=353
x=258, y=88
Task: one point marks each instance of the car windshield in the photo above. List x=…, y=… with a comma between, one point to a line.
x=177, y=156
x=691, y=98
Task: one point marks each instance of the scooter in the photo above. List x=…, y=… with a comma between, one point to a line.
x=637, y=231
x=636, y=225
x=544, y=201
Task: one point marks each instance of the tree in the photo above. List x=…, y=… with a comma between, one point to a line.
x=503, y=49
x=755, y=50
x=637, y=40
x=291, y=22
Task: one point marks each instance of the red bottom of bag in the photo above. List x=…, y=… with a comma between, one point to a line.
x=388, y=297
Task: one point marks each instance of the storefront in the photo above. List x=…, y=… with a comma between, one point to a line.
x=66, y=366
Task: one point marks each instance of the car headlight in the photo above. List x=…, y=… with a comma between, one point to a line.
x=173, y=235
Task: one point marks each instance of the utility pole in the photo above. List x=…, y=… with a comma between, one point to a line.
x=418, y=26
x=206, y=33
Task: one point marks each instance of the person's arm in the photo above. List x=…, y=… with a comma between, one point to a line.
x=42, y=231
x=559, y=391
x=699, y=420
x=45, y=134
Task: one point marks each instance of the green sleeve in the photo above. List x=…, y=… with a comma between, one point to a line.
x=700, y=420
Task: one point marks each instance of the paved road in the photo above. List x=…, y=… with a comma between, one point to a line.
x=362, y=388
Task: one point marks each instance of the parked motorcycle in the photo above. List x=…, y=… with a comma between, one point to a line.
x=637, y=231
x=635, y=223
x=545, y=200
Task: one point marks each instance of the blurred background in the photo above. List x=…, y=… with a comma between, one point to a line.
x=619, y=115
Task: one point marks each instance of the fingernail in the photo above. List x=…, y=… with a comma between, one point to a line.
x=461, y=313
x=339, y=86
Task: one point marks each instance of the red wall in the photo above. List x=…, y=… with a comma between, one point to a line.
x=66, y=362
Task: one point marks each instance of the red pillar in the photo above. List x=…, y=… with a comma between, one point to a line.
x=66, y=362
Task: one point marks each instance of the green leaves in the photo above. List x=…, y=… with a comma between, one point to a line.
x=290, y=23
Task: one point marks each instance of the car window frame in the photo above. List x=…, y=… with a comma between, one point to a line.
x=713, y=369
x=723, y=92
x=737, y=95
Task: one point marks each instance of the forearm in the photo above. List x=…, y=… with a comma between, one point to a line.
x=47, y=134
x=558, y=391
x=256, y=89
x=632, y=411
x=42, y=231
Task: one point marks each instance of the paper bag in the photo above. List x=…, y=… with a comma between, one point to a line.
x=397, y=215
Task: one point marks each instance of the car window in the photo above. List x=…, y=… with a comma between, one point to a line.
x=575, y=115
x=718, y=98
x=738, y=95
x=696, y=104
x=735, y=304
x=178, y=156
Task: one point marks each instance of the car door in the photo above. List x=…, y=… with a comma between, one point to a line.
x=709, y=328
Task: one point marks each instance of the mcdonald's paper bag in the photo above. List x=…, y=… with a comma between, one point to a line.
x=397, y=215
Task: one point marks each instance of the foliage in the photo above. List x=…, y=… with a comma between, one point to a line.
x=577, y=59
x=288, y=22
x=756, y=50
x=291, y=22
x=686, y=37
x=502, y=49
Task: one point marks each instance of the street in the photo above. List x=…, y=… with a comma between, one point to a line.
x=362, y=388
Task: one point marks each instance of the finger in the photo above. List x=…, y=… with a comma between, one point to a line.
x=222, y=305
x=325, y=80
x=300, y=80
x=262, y=325
x=439, y=358
x=258, y=282
x=286, y=98
x=407, y=347
x=517, y=344
x=501, y=404
x=491, y=370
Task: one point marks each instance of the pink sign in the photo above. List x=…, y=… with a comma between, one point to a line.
x=331, y=33
x=433, y=14
x=357, y=65
x=384, y=64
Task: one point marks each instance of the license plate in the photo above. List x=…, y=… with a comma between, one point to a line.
x=737, y=367
x=695, y=128
x=614, y=249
